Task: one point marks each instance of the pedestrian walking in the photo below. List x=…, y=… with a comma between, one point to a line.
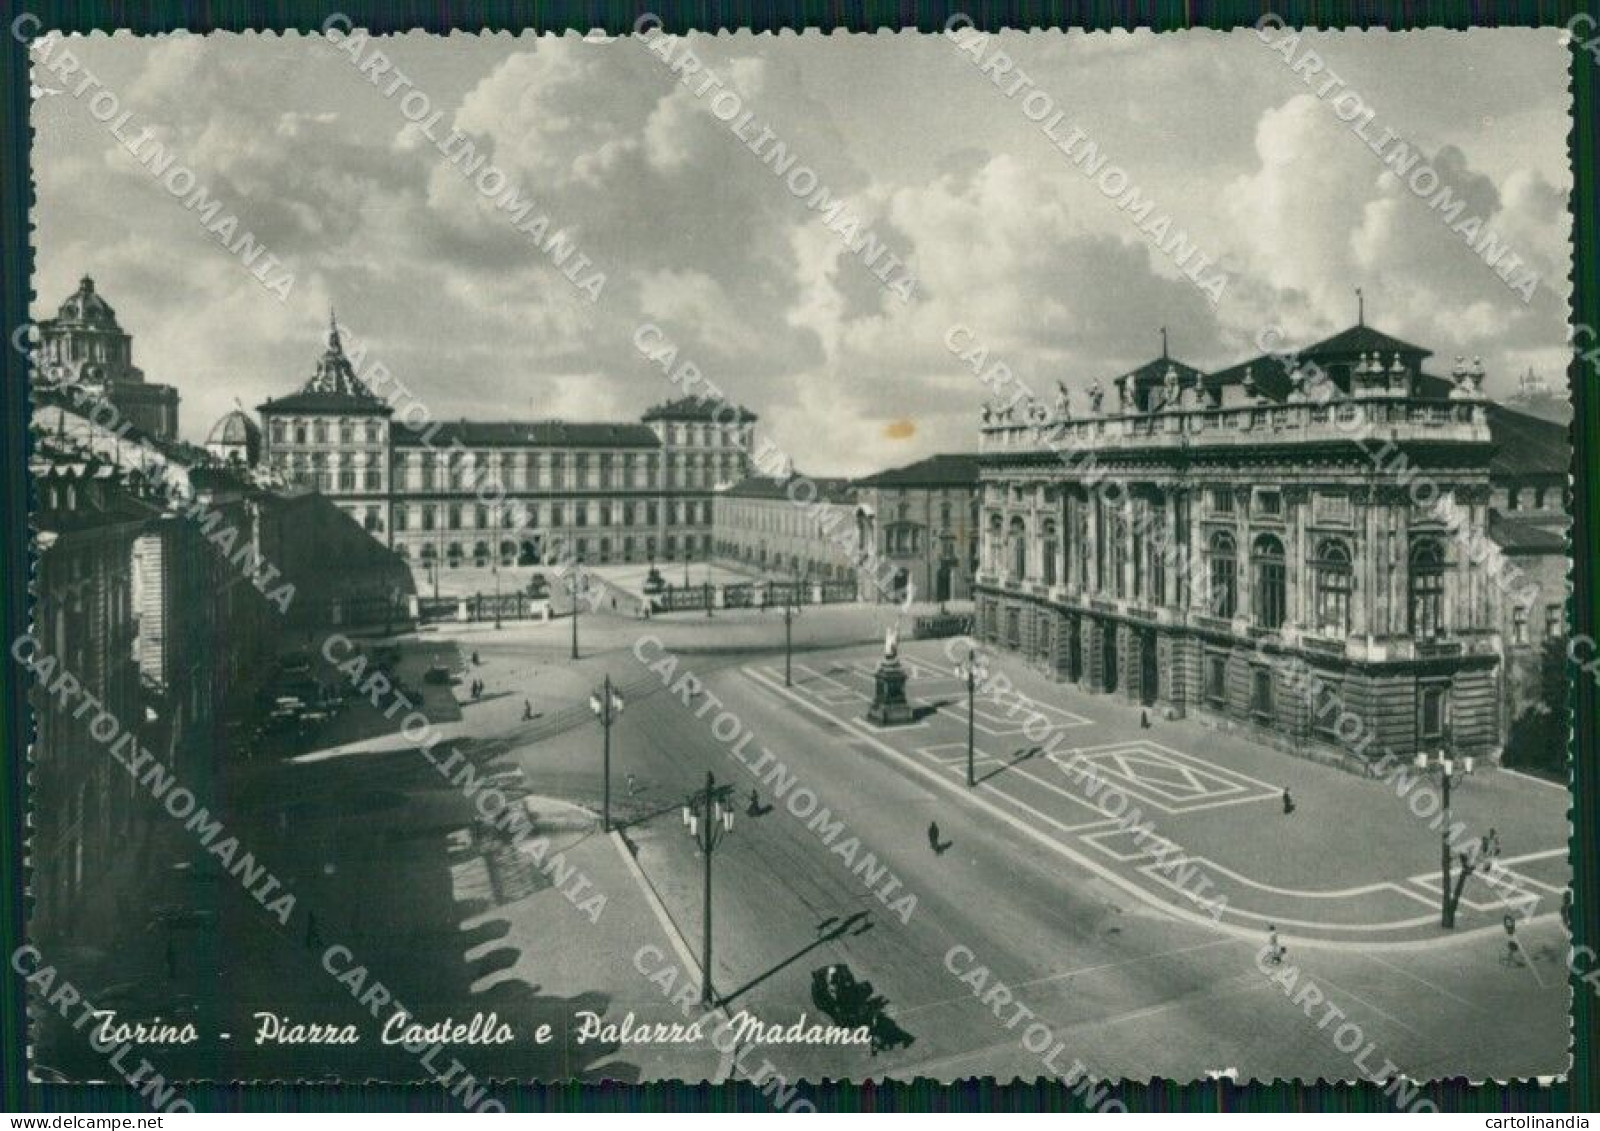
x=1494, y=844
x=1513, y=955
x=1275, y=949
x=933, y=835
x=475, y=660
x=527, y=710
x=1288, y=803
x=755, y=803
x=1144, y=718
x=633, y=785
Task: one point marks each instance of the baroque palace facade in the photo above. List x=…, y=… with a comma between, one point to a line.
x=449, y=494
x=1301, y=546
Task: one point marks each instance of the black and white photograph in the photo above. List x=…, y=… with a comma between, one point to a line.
x=778, y=558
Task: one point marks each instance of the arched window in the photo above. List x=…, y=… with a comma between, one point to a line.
x=1051, y=548
x=1330, y=581
x=1267, y=585
x=1116, y=529
x=1018, y=556
x=1426, y=603
x=996, y=548
x=1224, y=570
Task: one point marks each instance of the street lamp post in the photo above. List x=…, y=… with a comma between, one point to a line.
x=1448, y=775
x=709, y=823
x=972, y=669
x=790, y=611
x=606, y=705
x=498, y=534
x=577, y=584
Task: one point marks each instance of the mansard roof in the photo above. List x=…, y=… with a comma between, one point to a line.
x=523, y=434
x=827, y=490
x=1527, y=445
x=1362, y=339
x=948, y=469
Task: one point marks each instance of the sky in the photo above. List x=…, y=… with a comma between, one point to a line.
x=1000, y=231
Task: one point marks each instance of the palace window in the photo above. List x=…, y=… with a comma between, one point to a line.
x=319, y=434
x=1051, y=548
x=1224, y=571
x=1117, y=548
x=580, y=514
x=1330, y=581
x=1263, y=700
x=454, y=513
x=347, y=479
x=1222, y=500
x=1267, y=581
x=1426, y=604
x=372, y=479
x=1519, y=625
x=277, y=431
x=1555, y=621
x=402, y=518
x=1216, y=679
x=555, y=514
x=1514, y=499
x=1433, y=712
x=347, y=432
x=429, y=518
x=1268, y=504
x=1018, y=547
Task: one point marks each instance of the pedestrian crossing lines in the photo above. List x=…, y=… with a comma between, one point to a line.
x=1159, y=776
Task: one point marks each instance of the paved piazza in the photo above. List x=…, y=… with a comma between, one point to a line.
x=1190, y=818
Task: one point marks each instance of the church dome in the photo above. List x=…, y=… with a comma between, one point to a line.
x=86, y=306
x=235, y=436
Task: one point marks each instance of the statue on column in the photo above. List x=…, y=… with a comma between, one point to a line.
x=891, y=642
x=1063, y=401
x=1097, y=395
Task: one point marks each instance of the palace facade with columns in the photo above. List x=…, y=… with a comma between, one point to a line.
x=1299, y=546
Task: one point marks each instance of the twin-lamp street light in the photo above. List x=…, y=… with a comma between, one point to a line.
x=606, y=705
x=709, y=822
x=1450, y=772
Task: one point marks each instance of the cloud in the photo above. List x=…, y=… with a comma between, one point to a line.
x=697, y=233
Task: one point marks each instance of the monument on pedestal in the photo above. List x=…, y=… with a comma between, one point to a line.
x=889, y=705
